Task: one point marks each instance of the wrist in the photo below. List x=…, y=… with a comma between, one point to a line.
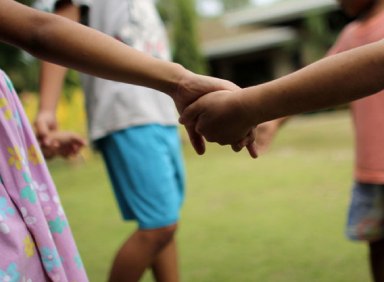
x=46, y=111
x=251, y=113
x=176, y=80
x=46, y=107
x=262, y=103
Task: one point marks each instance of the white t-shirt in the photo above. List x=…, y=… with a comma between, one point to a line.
x=113, y=106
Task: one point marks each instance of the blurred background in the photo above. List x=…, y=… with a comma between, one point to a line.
x=278, y=218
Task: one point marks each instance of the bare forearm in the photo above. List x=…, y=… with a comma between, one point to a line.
x=116, y=61
x=64, y=42
x=335, y=80
x=51, y=83
x=52, y=76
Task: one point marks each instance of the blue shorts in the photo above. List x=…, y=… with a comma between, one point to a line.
x=146, y=168
x=366, y=213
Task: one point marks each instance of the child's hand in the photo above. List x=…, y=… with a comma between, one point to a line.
x=65, y=144
x=221, y=117
x=191, y=88
x=265, y=133
x=45, y=124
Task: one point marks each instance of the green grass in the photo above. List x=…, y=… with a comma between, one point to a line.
x=278, y=218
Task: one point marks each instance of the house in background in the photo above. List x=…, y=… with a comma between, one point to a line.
x=258, y=44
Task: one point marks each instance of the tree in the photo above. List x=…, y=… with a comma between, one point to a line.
x=234, y=4
x=320, y=34
x=21, y=68
x=185, y=41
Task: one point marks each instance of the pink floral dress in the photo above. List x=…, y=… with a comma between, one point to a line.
x=36, y=243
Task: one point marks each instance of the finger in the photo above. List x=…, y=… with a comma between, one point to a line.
x=252, y=149
x=43, y=132
x=231, y=86
x=197, y=140
x=236, y=148
x=190, y=115
x=65, y=152
x=48, y=153
x=220, y=84
x=75, y=148
x=249, y=142
x=55, y=144
x=79, y=140
x=250, y=138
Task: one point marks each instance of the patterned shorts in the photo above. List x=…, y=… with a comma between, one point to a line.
x=366, y=213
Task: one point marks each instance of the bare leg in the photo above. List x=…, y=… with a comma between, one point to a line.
x=165, y=266
x=139, y=252
x=377, y=260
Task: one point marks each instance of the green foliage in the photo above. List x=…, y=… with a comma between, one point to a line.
x=185, y=43
x=319, y=37
x=166, y=10
x=234, y=4
x=22, y=69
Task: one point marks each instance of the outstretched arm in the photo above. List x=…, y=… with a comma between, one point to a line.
x=332, y=81
x=54, y=39
x=51, y=83
x=64, y=42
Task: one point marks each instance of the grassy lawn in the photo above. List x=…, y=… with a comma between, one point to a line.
x=278, y=218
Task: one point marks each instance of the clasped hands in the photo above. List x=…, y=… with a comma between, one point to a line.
x=208, y=106
x=214, y=109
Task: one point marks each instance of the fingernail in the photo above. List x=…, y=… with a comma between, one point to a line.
x=181, y=120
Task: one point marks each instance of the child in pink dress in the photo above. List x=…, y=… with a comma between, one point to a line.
x=34, y=232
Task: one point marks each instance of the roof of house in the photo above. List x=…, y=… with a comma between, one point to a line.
x=279, y=12
x=218, y=41
x=247, y=30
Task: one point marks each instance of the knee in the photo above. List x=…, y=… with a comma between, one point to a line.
x=159, y=237
x=164, y=235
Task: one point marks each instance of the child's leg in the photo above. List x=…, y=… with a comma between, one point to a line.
x=142, y=250
x=377, y=260
x=145, y=166
x=165, y=268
